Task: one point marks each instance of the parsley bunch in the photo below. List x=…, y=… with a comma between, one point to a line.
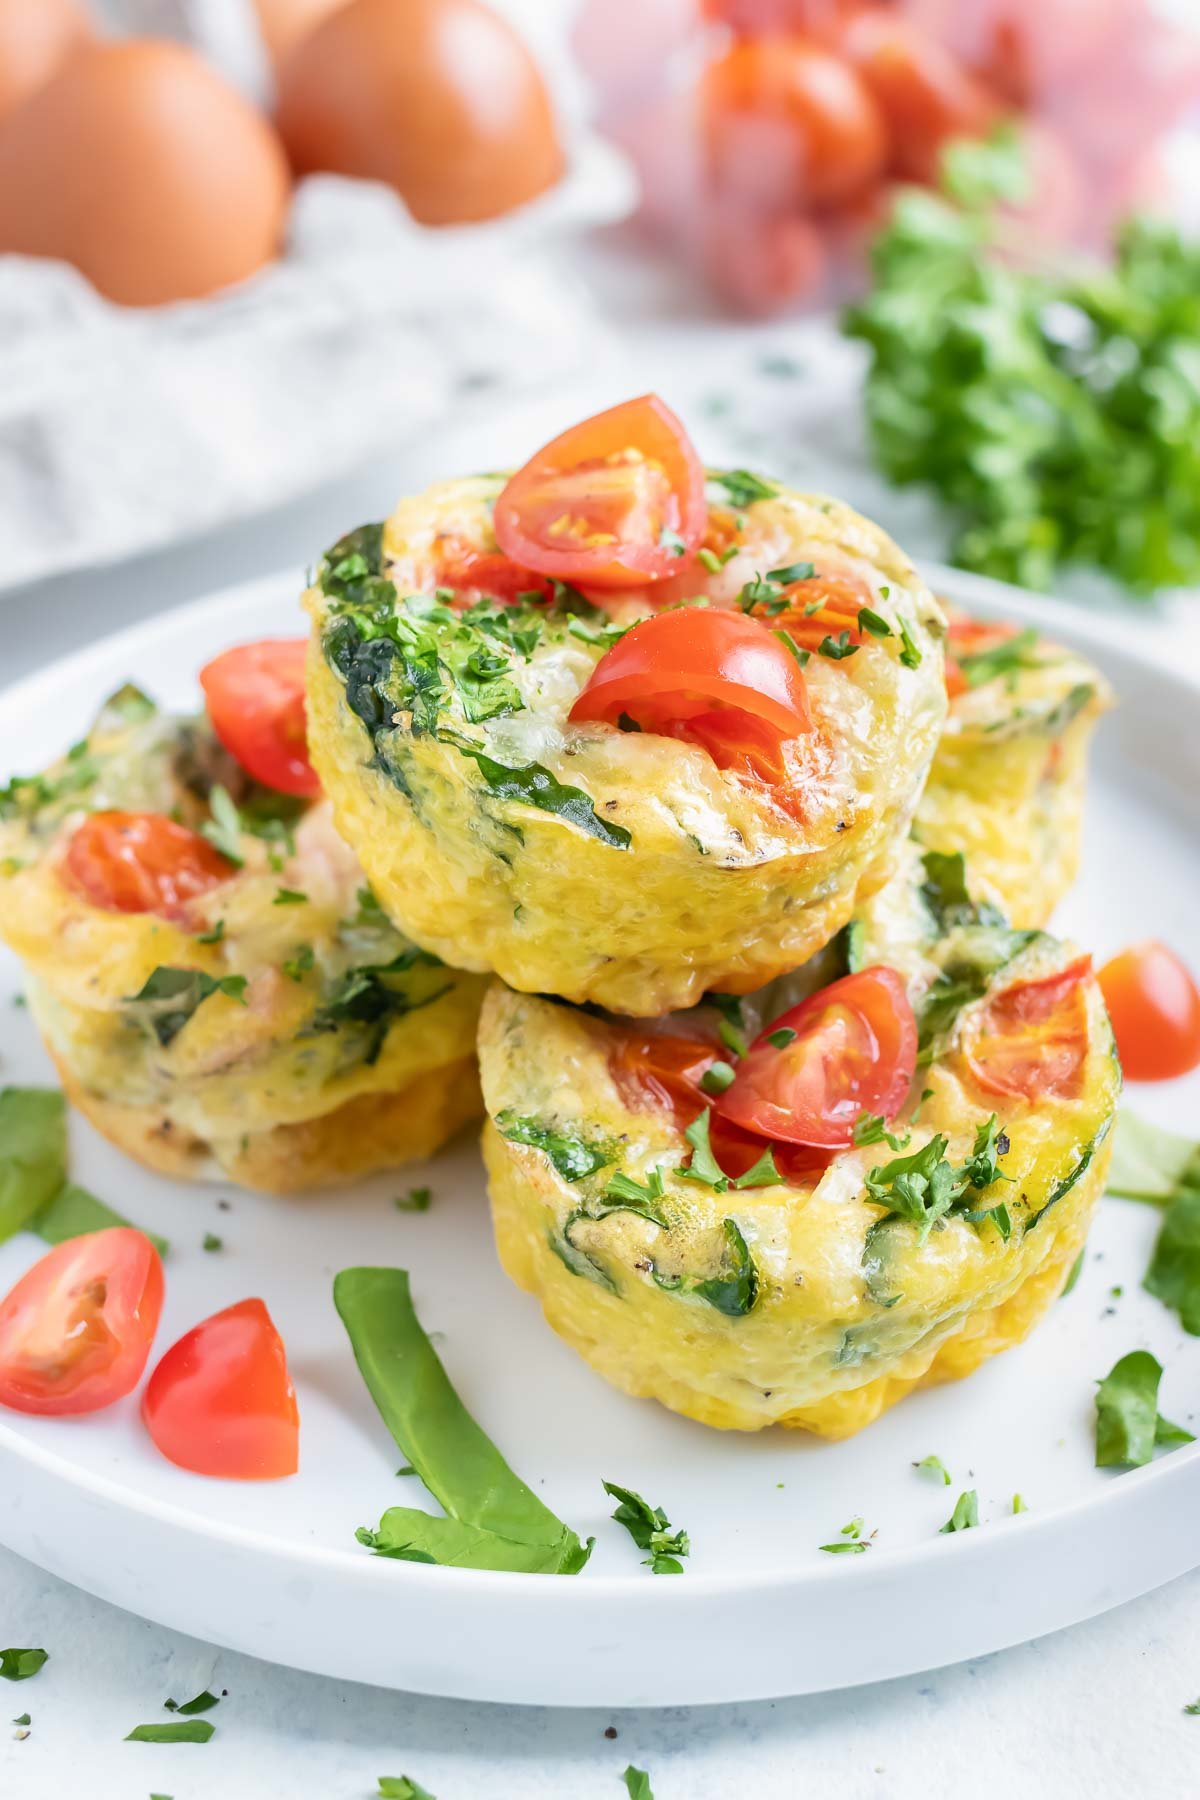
x=1056, y=411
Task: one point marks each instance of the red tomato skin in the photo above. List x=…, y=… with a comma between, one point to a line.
x=255, y=695
x=117, y=1279
x=1030, y=1041
x=1154, y=1006
x=221, y=1402
x=829, y=139
x=925, y=94
x=711, y=677
x=141, y=862
x=759, y=1100
x=645, y=425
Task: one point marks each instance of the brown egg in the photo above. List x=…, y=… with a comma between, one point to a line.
x=145, y=169
x=439, y=98
x=284, y=22
x=35, y=37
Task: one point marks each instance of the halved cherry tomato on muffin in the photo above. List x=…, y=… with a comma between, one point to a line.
x=1154, y=1006
x=666, y=1071
x=487, y=574
x=713, y=678
x=925, y=94
x=77, y=1328
x=1030, y=1041
x=788, y=124
x=221, y=1401
x=607, y=502
x=141, y=862
x=849, y=1049
x=255, y=695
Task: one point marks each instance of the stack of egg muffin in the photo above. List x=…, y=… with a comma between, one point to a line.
x=679, y=797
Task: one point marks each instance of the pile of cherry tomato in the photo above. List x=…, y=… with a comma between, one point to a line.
x=769, y=134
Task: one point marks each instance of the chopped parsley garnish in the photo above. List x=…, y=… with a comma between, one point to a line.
x=871, y=1128
x=837, y=648
x=910, y=653
x=1128, y=1422
x=650, y=1529
x=20, y=1665
x=641, y=1197
x=215, y=936
x=224, y=829
x=173, y=995
x=924, y=1186
x=780, y=1038
x=203, y=1702
x=717, y=1078
x=742, y=487
x=1018, y=1505
x=1004, y=658
x=212, y=1242
x=935, y=1467
x=965, y=1514
x=188, y=1731
x=637, y=1783
x=367, y=997
x=297, y=967
x=289, y=897
x=870, y=620
x=671, y=540
x=402, y=1787
x=416, y=1200
x=797, y=571
x=709, y=560
x=851, y=1543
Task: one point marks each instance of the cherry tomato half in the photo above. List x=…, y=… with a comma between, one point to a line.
x=77, y=1328
x=1030, y=1041
x=221, y=1401
x=788, y=123
x=852, y=1049
x=664, y=1070
x=926, y=95
x=255, y=695
x=1154, y=1006
x=141, y=862
x=717, y=679
x=606, y=502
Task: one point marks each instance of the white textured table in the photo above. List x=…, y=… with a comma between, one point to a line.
x=1093, y=1712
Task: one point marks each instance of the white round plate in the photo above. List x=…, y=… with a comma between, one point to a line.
x=274, y=1569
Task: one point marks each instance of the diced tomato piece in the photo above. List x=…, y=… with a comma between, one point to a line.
x=141, y=862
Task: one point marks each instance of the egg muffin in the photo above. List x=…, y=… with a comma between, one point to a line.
x=1007, y=782
x=598, y=795
x=211, y=974
x=746, y=1280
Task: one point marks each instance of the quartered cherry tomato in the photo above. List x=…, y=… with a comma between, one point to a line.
x=925, y=94
x=789, y=124
x=77, y=1328
x=255, y=695
x=141, y=862
x=1030, y=1041
x=1154, y=1006
x=713, y=678
x=608, y=502
x=221, y=1401
x=849, y=1049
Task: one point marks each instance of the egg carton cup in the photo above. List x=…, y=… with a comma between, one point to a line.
x=123, y=429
